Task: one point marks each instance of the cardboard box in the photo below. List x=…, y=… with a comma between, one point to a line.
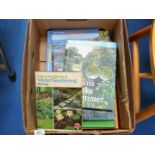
x=33, y=60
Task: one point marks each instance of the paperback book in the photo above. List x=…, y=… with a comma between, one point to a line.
x=97, y=61
x=59, y=100
x=56, y=40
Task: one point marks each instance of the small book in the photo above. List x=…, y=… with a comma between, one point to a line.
x=59, y=100
x=97, y=61
x=56, y=40
x=104, y=35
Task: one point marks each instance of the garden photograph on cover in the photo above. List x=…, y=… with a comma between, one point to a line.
x=67, y=119
x=44, y=107
x=67, y=98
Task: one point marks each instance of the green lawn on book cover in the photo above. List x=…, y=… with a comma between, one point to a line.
x=98, y=124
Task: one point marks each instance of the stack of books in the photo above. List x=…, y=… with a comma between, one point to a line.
x=91, y=53
x=56, y=41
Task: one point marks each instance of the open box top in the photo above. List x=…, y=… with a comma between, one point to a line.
x=36, y=44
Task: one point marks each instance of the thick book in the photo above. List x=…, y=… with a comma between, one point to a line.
x=97, y=61
x=59, y=100
x=56, y=40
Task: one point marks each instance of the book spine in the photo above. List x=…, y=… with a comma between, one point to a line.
x=49, y=67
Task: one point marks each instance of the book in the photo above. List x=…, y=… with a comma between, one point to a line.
x=97, y=61
x=56, y=40
x=59, y=100
x=104, y=35
x=116, y=113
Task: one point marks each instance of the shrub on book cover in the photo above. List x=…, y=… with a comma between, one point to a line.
x=44, y=107
x=97, y=61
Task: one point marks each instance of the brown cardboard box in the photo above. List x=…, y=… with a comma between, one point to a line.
x=34, y=60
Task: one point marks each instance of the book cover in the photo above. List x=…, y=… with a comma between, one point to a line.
x=56, y=45
x=104, y=35
x=97, y=61
x=59, y=100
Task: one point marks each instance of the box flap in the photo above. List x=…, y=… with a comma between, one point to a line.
x=129, y=73
x=122, y=90
x=46, y=24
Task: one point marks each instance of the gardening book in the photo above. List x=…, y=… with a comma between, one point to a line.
x=59, y=100
x=56, y=40
x=97, y=61
x=104, y=35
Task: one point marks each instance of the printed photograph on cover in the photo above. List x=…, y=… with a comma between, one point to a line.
x=58, y=58
x=44, y=104
x=57, y=39
x=67, y=119
x=67, y=98
x=97, y=61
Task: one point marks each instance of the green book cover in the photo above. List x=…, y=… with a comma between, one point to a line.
x=97, y=61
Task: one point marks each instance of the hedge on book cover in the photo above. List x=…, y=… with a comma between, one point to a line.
x=44, y=107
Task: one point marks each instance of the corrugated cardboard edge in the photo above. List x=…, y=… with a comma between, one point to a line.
x=83, y=132
x=122, y=77
x=24, y=79
x=33, y=58
x=130, y=75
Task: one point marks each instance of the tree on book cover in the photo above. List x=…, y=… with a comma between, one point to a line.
x=44, y=107
x=97, y=61
x=57, y=39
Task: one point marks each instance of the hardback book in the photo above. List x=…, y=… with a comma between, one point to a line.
x=59, y=100
x=56, y=40
x=97, y=61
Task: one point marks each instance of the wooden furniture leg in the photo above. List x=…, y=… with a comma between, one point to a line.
x=147, y=31
x=136, y=79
